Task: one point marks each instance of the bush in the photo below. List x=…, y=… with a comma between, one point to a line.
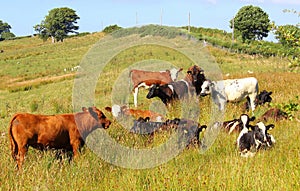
x=7, y=36
x=111, y=28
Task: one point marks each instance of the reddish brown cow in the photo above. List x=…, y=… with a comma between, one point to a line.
x=65, y=131
x=141, y=78
x=117, y=111
x=275, y=114
x=196, y=76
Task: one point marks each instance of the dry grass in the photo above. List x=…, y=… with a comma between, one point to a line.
x=220, y=168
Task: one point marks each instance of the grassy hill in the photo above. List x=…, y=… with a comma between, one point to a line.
x=37, y=77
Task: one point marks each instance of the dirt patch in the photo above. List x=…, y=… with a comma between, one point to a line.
x=13, y=83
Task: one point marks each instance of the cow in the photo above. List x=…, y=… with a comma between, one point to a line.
x=262, y=98
x=118, y=111
x=251, y=141
x=275, y=114
x=168, y=93
x=195, y=74
x=61, y=132
x=141, y=78
x=181, y=89
x=189, y=129
x=235, y=125
x=231, y=90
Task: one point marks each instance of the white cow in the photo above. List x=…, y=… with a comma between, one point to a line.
x=232, y=90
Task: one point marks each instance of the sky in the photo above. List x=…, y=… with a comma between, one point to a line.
x=95, y=15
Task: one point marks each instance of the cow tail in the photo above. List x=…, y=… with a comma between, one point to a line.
x=13, y=143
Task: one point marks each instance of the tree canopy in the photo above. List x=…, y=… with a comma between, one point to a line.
x=57, y=24
x=251, y=22
x=5, y=31
x=288, y=35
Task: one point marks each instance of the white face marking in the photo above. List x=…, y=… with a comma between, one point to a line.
x=115, y=110
x=174, y=73
x=205, y=89
x=262, y=126
x=244, y=119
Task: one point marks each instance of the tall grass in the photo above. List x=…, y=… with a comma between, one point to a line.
x=220, y=168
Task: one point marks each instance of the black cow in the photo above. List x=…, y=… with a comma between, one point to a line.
x=168, y=93
x=262, y=98
x=188, y=129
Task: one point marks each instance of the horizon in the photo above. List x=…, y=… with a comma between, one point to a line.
x=96, y=15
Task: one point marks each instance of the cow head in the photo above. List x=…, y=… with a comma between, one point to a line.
x=196, y=75
x=206, y=88
x=260, y=126
x=263, y=97
x=153, y=91
x=100, y=117
x=174, y=73
x=162, y=91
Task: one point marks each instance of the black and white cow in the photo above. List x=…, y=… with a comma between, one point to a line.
x=171, y=92
x=232, y=90
x=251, y=141
x=189, y=86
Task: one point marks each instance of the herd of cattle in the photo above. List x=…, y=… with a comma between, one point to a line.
x=68, y=132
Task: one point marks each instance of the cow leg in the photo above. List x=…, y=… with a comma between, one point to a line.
x=251, y=100
x=22, y=150
x=75, y=147
x=135, y=94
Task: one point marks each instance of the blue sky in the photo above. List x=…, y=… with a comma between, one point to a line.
x=22, y=15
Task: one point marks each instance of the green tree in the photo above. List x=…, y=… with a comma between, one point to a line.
x=57, y=24
x=5, y=31
x=288, y=35
x=251, y=22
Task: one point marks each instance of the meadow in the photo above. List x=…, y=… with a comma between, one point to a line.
x=34, y=79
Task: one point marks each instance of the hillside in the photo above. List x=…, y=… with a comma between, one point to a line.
x=38, y=77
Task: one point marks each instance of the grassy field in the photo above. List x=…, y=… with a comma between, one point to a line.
x=33, y=80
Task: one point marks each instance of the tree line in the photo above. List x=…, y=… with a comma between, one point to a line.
x=250, y=25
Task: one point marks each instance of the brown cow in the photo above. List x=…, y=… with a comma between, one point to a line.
x=195, y=74
x=275, y=114
x=64, y=131
x=118, y=111
x=141, y=78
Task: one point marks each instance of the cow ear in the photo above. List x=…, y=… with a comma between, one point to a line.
x=108, y=109
x=180, y=69
x=252, y=118
x=203, y=127
x=84, y=109
x=93, y=113
x=270, y=93
x=269, y=127
x=189, y=72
